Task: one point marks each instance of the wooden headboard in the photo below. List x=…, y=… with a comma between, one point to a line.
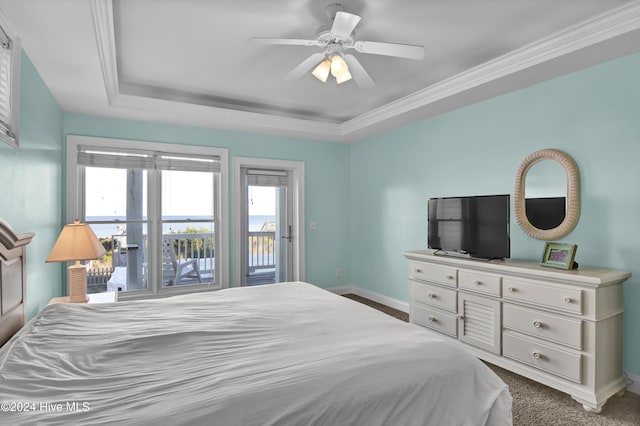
x=13, y=271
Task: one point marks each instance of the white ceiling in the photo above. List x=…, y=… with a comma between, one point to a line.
x=189, y=61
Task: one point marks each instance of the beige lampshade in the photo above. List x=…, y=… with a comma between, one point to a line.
x=77, y=241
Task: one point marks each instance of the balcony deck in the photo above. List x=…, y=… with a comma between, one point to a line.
x=261, y=265
x=259, y=278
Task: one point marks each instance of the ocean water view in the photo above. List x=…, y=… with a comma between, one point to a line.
x=108, y=229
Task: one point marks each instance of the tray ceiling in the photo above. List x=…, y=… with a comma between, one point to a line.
x=189, y=62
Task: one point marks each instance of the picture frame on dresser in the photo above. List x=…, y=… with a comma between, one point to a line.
x=559, y=255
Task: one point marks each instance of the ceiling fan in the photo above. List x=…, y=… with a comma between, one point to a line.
x=334, y=41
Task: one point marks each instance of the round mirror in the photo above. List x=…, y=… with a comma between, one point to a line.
x=547, y=195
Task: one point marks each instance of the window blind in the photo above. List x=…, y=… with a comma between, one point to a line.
x=263, y=177
x=9, y=79
x=5, y=84
x=140, y=159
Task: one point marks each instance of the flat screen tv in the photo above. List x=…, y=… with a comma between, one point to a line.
x=476, y=226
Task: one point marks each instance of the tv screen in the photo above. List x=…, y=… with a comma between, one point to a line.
x=545, y=213
x=476, y=226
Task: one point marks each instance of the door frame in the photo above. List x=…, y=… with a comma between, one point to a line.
x=297, y=176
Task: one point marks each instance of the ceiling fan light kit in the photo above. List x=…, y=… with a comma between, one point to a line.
x=336, y=66
x=334, y=42
x=345, y=76
x=321, y=72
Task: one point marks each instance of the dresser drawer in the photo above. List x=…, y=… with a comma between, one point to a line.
x=435, y=319
x=483, y=283
x=544, y=357
x=545, y=326
x=437, y=274
x=558, y=297
x=435, y=296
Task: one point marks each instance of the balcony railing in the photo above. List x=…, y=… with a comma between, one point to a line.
x=194, y=246
x=262, y=251
x=261, y=255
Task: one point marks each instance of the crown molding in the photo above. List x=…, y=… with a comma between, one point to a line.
x=102, y=12
x=190, y=114
x=182, y=113
x=614, y=23
x=6, y=27
x=607, y=26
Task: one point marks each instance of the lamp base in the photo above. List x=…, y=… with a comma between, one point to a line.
x=78, y=283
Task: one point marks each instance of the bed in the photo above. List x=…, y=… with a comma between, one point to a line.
x=13, y=273
x=281, y=354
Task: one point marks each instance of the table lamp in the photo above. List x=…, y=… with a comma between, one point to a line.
x=76, y=242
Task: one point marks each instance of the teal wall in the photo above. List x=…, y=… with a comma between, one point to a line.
x=326, y=171
x=31, y=190
x=593, y=115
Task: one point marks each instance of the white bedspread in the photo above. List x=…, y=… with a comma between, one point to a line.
x=282, y=354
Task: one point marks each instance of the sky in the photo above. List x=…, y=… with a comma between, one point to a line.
x=184, y=193
x=262, y=201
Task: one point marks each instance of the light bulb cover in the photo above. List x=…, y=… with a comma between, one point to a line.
x=321, y=72
x=338, y=66
x=345, y=76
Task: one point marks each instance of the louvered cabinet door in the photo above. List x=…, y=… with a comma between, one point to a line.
x=479, y=322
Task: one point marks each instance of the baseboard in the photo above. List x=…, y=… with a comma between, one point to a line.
x=372, y=295
x=633, y=383
x=345, y=289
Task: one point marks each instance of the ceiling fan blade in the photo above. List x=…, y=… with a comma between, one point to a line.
x=408, y=51
x=359, y=74
x=305, y=66
x=344, y=23
x=284, y=41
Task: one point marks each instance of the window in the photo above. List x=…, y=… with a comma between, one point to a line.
x=157, y=209
x=9, y=86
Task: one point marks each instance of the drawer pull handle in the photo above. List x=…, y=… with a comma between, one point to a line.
x=537, y=324
x=476, y=282
x=568, y=300
x=432, y=296
x=433, y=319
x=418, y=271
x=537, y=355
x=511, y=289
x=450, y=277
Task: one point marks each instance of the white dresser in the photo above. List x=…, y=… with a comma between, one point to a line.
x=560, y=328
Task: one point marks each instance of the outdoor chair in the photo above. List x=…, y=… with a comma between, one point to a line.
x=175, y=270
